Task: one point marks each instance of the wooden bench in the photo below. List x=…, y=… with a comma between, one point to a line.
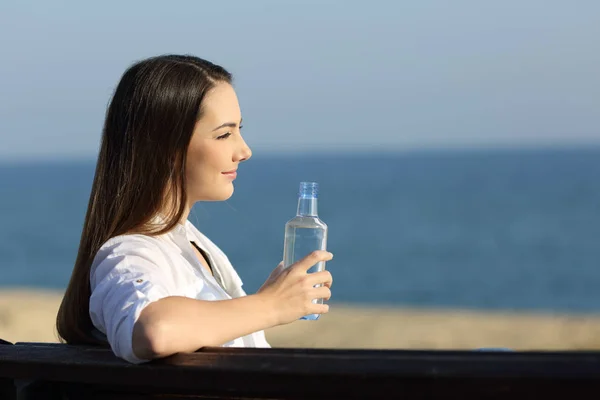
x=57, y=371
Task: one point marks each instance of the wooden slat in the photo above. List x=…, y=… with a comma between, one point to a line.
x=310, y=373
x=7, y=387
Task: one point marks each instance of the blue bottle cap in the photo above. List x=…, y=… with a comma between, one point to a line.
x=308, y=190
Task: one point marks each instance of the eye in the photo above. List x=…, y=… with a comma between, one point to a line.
x=224, y=136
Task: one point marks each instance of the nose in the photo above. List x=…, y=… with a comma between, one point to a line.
x=244, y=152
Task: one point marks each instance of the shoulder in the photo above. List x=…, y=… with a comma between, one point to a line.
x=126, y=253
x=130, y=243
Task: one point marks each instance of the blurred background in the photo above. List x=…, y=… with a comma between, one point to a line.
x=456, y=144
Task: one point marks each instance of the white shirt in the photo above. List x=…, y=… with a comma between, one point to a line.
x=131, y=271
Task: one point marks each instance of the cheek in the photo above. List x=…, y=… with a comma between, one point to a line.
x=205, y=162
x=195, y=159
x=201, y=171
x=192, y=168
x=195, y=172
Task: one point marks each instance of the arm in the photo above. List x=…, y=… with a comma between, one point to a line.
x=180, y=324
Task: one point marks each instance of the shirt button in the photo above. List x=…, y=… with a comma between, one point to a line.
x=140, y=281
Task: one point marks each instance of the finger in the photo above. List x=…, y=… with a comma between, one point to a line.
x=322, y=292
x=313, y=258
x=321, y=277
x=319, y=309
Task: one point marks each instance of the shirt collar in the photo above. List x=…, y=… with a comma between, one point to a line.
x=181, y=229
x=187, y=232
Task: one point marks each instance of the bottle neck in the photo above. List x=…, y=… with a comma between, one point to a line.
x=307, y=206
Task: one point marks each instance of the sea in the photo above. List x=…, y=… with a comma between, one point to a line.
x=476, y=229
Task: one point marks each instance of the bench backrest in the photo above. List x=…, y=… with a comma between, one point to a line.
x=240, y=373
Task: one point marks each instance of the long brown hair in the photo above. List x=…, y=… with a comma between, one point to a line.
x=147, y=130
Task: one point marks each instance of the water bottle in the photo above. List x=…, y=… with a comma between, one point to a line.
x=305, y=233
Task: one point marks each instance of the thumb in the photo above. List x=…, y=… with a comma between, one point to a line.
x=279, y=268
x=277, y=271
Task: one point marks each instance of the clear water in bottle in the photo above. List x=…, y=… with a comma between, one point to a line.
x=305, y=233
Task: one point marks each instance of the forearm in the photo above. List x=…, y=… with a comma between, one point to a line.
x=180, y=324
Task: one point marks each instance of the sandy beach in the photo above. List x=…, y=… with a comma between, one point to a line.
x=29, y=315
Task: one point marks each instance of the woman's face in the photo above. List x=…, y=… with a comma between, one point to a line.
x=216, y=148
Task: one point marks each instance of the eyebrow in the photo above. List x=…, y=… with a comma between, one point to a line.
x=227, y=125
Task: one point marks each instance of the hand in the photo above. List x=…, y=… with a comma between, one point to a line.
x=291, y=290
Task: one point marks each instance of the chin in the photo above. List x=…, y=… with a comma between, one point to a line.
x=222, y=195
x=228, y=196
x=217, y=193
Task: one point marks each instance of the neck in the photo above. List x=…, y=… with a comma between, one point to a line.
x=186, y=213
x=307, y=206
x=168, y=207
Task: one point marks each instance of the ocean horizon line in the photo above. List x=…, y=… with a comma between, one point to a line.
x=349, y=152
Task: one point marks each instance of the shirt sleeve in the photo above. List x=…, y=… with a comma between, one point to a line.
x=126, y=276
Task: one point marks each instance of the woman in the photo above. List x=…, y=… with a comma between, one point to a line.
x=146, y=280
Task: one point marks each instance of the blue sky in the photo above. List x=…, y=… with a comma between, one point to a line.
x=315, y=75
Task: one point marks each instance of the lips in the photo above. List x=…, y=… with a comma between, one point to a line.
x=230, y=174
